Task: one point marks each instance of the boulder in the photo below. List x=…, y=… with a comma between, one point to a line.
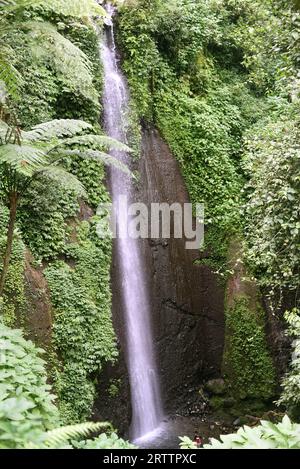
x=216, y=386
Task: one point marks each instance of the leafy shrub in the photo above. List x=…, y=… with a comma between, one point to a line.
x=171, y=57
x=83, y=334
x=105, y=441
x=267, y=435
x=26, y=404
x=272, y=227
x=284, y=435
x=186, y=443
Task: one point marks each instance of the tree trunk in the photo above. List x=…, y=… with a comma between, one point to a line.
x=10, y=233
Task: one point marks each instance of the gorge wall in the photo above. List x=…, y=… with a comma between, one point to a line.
x=187, y=302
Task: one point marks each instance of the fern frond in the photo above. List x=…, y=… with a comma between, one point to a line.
x=60, y=436
x=9, y=74
x=22, y=158
x=97, y=141
x=68, y=60
x=63, y=177
x=55, y=128
x=102, y=157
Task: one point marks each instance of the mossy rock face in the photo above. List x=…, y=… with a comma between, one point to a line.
x=216, y=386
x=247, y=366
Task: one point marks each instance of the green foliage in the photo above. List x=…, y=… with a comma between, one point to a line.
x=290, y=396
x=27, y=413
x=114, y=387
x=83, y=332
x=104, y=441
x=60, y=60
x=26, y=169
x=61, y=79
x=59, y=437
x=186, y=443
x=76, y=9
x=172, y=60
x=268, y=33
x=13, y=301
x=26, y=405
x=284, y=435
x=272, y=227
x=20, y=161
x=267, y=435
x=92, y=175
x=247, y=362
x=42, y=218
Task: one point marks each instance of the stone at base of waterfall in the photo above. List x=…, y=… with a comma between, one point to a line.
x=216, y=386
x=114, y=459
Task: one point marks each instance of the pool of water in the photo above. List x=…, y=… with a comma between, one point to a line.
x=166, y=436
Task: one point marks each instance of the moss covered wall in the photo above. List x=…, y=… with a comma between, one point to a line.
x=247, y=367
x=58, y=286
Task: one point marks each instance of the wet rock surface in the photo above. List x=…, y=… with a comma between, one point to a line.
x=186, y=301
x=172, y=429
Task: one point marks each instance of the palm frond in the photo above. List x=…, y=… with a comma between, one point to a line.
x=63, y=177
x=55, y=128
x=22, y=158
x=97, y=141
x=60, y=436
x=102, y=157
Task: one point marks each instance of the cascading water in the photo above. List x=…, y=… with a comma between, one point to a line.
x=145, y=394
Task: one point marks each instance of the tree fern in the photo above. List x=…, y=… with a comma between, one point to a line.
x=22, y=158
x=20, y=163
x=68, y=60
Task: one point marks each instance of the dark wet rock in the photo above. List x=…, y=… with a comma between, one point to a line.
x=237, y=422
x=113, y=397
x=186, y=300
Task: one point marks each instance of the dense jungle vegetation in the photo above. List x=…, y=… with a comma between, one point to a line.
x=220, y=81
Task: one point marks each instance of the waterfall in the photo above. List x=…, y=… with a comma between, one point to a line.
x=145, y=394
